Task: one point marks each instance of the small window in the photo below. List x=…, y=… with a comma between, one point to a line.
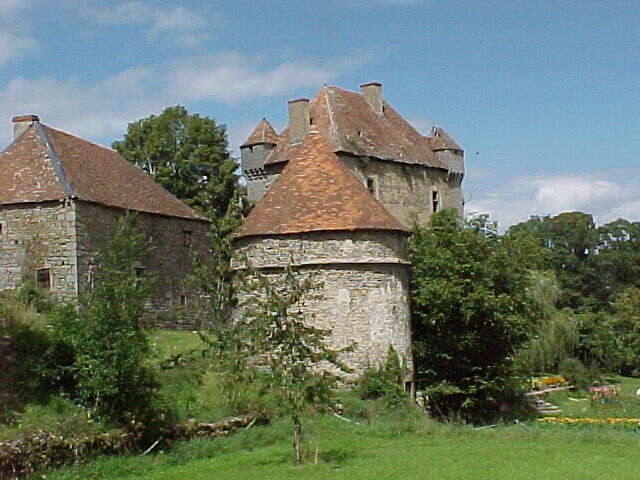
x=371, y=185
x=183, y=301
x=311, y=121
x=1, y=228
x=186, y=238
x=435, y=200
x=43, y=278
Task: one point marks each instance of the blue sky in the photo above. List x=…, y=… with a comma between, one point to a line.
x=543, y=95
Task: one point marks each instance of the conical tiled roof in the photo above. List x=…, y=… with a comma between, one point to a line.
x=46, y=164
x=316, y=192
x=263, y=133
x=441, y=140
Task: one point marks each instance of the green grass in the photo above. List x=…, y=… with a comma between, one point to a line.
x=393, y=446
x=167, y=343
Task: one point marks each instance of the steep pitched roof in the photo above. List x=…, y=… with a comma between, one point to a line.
x=441, y=140
x=47, y=164
x=349, y=125
x=263, y=133
x=316, y=192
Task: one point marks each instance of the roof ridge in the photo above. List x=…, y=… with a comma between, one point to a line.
x=80, y=138
x=58, y=169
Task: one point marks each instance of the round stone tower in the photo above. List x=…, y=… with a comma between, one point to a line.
x=318, y=218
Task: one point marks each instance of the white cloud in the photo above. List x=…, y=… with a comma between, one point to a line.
x=181, y=25
x=103, y=109
x=14, y=44
x=607, y=195
x=232, y=77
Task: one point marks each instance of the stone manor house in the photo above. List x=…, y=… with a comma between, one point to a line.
x=60, y=201
x=335, y=195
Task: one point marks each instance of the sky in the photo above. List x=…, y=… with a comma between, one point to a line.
x=543, y=95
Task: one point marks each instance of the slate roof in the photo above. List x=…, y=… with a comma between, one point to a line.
x=45, y=164
x=349, y=125
x=263, y=133
x=316, y=192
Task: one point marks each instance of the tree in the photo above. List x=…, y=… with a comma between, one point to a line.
x=280, y=337
x=187, y=154
x=470, y=312
x=108, y=339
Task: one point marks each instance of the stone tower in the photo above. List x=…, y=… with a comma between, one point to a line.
x=320, y=219
x=336, y=194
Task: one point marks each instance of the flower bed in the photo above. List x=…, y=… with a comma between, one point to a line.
x=628, y=422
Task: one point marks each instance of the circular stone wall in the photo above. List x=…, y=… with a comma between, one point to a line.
x=364, y=288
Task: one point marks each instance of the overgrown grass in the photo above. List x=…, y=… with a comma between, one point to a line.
x=396, y=444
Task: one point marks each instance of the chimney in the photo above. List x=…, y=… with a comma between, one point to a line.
x=21, y=123
x=298, y=119
x=373, y=94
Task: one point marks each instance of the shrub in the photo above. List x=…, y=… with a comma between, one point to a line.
x=577, y=374
x=386, y=381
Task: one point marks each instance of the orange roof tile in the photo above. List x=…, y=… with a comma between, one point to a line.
x=47, y=164
x=263, y=133
x=316, y=192
x=349, y=125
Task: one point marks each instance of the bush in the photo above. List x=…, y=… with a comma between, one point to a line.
x=386, y=381
x=577, y=374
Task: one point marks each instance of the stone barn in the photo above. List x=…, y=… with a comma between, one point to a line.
x=336, y=194
x=60, y=201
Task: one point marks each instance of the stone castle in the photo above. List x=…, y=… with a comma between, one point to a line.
x=336, y=194
x=60, y=201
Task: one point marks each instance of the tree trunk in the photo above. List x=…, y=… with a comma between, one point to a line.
x=297, y=455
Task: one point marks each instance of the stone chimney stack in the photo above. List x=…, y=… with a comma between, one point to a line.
x=373, y=94
x=21, y=123
x=298, y=119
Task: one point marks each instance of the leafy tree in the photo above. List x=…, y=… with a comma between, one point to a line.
x=107, y=336
x=280, y=336
x=187, y=154
x=470, y=312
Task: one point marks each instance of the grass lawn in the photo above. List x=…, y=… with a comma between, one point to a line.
x=389, y=448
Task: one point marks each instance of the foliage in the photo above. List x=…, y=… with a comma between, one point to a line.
x=470, y=312
x=110, y=343
x=386, y=381
x=187, y=154
x=593, y=265
x=279, y=335
x=577, y=374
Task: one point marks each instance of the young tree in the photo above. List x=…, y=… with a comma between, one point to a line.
x=470, y=312
x=109, y=341
x=280, y=337
x=187, y=154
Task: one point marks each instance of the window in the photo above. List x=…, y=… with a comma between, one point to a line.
x=371, y=185
x=183, y=301
x=186, y=238
x=0, y=228
x=435, y=200
x=43, y=278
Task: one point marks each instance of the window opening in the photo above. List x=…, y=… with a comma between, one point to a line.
x=371, y=185
x=435, y=200
x=140, y=271
x=43, y=278
x=183, y=301
x=186, y=238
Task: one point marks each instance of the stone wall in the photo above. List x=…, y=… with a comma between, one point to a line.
x=406, y=190
x=168, y=259
x=39, y=236
x=364, y=288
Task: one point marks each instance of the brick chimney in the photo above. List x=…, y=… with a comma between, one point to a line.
x=373, y=94
x=298, y=119
x=22, y=123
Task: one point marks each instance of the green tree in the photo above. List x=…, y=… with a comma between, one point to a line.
x=187, y=154
x=470, y=312
x=110, y=343
x=281, y=337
